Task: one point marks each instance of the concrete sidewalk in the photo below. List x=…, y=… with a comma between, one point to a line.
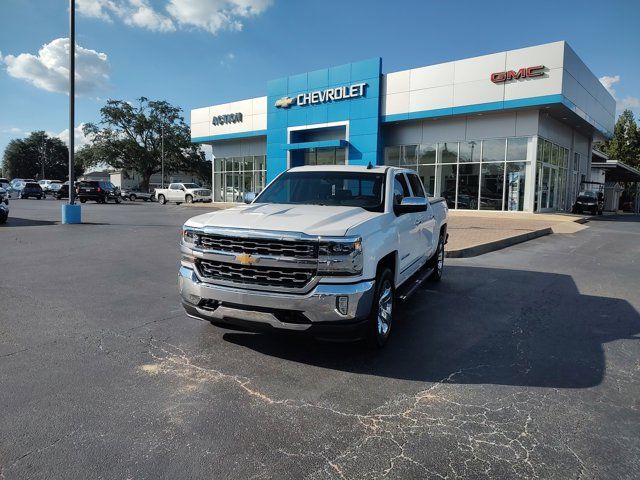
x=474, y=233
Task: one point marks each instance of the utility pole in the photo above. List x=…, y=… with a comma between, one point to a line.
x=70, y=212
x=162, y=151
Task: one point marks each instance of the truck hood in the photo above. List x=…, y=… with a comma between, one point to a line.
x=309, y=219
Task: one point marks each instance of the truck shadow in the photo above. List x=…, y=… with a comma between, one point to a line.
x=481, y=326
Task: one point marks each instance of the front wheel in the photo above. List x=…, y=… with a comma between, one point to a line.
x=132, y=197
x=162, y=199
x=381, y=316
x=83, y=200
x=436, y=262
x=188, y=199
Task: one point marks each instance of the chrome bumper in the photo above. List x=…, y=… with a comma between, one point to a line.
x=315, y=309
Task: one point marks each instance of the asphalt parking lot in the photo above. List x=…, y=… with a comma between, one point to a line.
x=521, y=363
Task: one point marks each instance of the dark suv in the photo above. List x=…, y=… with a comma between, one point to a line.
x=32, y=189
x=101, y=192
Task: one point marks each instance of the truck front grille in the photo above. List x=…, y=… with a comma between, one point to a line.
x=260, y=246
x=255, y=275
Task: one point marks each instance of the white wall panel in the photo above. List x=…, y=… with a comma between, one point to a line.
x=480, y=91
x=494, y=125
x=527, y=122
x=397, y=82
x=479, y=68
x=395, y=103
x=550, y=84
x=431, y=98
x=444, y=129
x=432, y=76
x=550, y=55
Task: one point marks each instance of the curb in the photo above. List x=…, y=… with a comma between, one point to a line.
x=498, y=244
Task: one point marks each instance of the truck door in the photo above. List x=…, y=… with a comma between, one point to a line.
x=409, y=233
x=175, y=192
x=427, y=220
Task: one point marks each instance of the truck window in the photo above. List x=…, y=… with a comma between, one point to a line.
x=416, y=185
x=347, y=189
x=174, y=186
x=400, y=189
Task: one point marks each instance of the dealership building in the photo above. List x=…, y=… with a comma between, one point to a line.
x=509, y=131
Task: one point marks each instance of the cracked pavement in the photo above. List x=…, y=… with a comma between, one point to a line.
x=522, y=363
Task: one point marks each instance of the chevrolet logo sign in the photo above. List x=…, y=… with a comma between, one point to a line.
x=246, y=259
x=285, y=102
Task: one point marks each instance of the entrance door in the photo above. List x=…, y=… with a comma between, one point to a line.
x=553, y=179
x=544, y=187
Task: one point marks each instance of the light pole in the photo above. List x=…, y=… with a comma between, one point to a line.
x=71, y=212
x=162, y=151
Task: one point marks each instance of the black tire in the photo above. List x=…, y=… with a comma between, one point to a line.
x=188, y=199
x=117, y=200
x=132, y=197
x=436, y=262
x=3, y=218
x=161, y=199
x=83, y=200
x=378, y=326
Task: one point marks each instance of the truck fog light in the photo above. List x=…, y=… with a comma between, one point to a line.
x=195, y=299
x=342, y=304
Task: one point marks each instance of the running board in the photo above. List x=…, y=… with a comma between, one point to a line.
x=413, y=283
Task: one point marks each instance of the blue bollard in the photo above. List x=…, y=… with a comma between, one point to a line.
x=71, y=214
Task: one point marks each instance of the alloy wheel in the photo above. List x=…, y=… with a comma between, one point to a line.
x=385, y=309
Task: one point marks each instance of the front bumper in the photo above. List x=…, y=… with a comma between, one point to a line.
x=315, y=311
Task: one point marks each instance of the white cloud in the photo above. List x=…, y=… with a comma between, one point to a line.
x=608, y=83
x=210, y=15
x=145, y=16
x=228, y=58
x=626, y=103
x=79, y=138
x=49, y=69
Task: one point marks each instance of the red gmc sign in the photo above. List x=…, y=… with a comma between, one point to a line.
x=527, y=72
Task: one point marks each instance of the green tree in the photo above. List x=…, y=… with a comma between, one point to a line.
x=130, y=137
x=625, y=143
x=37, y=156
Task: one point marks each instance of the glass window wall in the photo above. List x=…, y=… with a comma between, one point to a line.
x=477, y=175
x=235, y=176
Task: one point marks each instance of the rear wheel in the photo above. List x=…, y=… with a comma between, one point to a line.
x=381, y=317
x=162, y=199
x=132, y=197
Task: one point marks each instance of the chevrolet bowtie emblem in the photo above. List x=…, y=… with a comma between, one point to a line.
x=285, y=102
x=246, y=259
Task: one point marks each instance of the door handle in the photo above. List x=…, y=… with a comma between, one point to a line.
x=418, y=221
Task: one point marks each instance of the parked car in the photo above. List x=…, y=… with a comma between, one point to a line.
x=324, y=250
x=183, y=193
x=17, y=184
x=47, y=185
x=54, y=186
x=589, y=201
x=100, y=192
x=134, y=194
x=32, y=189
x=6, y=186
x=4, y=205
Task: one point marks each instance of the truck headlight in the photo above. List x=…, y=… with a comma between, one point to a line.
x=189, y=237
x=340, y=256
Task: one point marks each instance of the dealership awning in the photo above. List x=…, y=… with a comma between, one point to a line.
x=616, y=171
x=320, y=144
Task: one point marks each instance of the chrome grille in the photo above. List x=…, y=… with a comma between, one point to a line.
x=255, y=275
x=259, y=246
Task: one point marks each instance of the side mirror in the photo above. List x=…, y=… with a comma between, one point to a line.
x=249, y=197
x=411, y=205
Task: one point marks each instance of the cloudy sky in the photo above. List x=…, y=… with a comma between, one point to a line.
x=199, y=52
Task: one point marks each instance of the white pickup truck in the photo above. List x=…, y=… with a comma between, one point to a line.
x=183, y=193
x=323, y=249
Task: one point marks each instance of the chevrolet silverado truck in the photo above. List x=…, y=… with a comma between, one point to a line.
x=327, y=250
x=183, y=193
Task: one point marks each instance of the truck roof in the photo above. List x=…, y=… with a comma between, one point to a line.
x=341, y=168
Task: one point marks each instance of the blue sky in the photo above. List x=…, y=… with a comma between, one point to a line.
x=196, y=53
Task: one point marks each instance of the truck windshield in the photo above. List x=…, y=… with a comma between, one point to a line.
x=345, y=189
